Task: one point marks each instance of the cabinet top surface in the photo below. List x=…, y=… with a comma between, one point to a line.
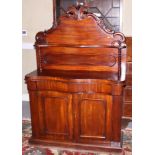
x=73, y=76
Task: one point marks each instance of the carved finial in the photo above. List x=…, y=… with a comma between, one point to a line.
x=77, y=12
x=41, y=37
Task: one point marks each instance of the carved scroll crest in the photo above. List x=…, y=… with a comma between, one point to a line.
x=41, y=37
x=81, y=12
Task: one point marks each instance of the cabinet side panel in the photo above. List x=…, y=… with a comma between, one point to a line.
x=34, y=113
x=116, y=115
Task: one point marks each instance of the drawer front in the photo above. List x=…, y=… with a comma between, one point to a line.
x=74, y=87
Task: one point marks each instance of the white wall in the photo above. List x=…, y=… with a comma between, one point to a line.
x=127, y=17
x=37, y=16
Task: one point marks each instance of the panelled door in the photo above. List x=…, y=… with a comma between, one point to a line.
x=55, y=115
x=93, y=118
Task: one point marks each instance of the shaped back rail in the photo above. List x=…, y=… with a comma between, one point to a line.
x=81, y=42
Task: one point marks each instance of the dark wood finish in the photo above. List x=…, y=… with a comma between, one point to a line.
x=79, y=113
x=58, y=48
x=129, y=49
x=127, y=97
x=76, y=94
x=55, y=107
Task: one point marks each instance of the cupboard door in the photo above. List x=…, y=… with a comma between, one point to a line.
x=93, y=118
x=55, y=115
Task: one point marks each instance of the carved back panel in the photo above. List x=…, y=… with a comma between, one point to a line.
x=81, y=42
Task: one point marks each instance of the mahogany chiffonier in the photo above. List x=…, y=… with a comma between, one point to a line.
x=76, y=93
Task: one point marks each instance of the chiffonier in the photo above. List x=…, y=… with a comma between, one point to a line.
x=76, y=93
